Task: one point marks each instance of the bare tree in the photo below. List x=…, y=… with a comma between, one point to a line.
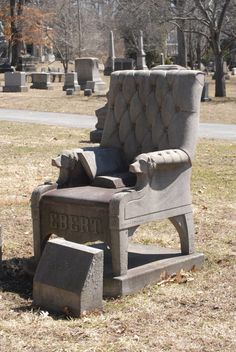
x=216, y=17
x=214, y=20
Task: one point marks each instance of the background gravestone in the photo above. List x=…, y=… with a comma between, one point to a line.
x=41, y=80
x=71, y=81
x=69, y=278
x=15, y=82
x=87, y=71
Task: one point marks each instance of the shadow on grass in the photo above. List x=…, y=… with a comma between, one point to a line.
x=15, y=279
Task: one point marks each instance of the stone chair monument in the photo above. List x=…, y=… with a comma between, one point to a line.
x=140, y=173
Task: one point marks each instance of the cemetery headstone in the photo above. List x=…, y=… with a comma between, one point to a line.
x=87, y=70
x=41, y=80
x=122, y=63
x=15, y=82
x=69, y=278
x=71, y=81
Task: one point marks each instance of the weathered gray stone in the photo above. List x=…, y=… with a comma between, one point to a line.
x=88, y=92
x=147, y=265
x=70, y=91
x=41, y=80
x=162, y=59
x=101, y=113
x=88, y=71
x=15, y=82
x=69, y=278
x=110, y=63
x=122, y=63
x=71, y=81
x=158, y=142
x=205, y=94
x=141, y=56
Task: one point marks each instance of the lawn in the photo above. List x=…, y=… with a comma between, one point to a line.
x=195, y=312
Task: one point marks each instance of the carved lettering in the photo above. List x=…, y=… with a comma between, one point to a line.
x=54, y=221
x=75, y=223
x=63, y=222
x=84, y=224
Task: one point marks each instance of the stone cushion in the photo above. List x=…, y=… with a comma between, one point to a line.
x=82, y=195
x=102, y=161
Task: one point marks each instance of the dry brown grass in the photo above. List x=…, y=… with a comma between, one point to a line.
x=198, y=315
x=217, y=110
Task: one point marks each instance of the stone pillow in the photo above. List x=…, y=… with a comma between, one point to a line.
x=103, y=161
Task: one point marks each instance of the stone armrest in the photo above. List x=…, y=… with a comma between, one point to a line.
x=169, y=158
x=81, y=166
x=72, y=173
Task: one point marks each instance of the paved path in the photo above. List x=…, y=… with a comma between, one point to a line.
x=207, y=130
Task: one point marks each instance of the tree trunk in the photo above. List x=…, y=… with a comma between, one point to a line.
x=198, y=51
x=182, y=53
x=220, y=89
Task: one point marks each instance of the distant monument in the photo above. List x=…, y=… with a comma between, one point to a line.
x=162, y=59
x=4, y=63
x=110, y=63
x=88, y=74
x=141, y=57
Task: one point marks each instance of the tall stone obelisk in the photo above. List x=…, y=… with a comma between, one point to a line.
x=110, y=63
x=141, y=57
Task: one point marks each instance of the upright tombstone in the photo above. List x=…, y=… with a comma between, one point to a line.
x=69, y=278
x=122, y=63
x=41, y=80
x=162, y=59
x=71, y=81
x=88, y=74
x=141, y=56
x=110, y=63
x=15, y=82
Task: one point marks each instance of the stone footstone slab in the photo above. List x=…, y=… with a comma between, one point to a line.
x=69, y=278
x=146, y=266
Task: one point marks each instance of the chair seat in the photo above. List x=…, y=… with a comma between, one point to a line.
x=83, y=195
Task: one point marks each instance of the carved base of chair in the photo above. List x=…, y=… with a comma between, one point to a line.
x=147, y=264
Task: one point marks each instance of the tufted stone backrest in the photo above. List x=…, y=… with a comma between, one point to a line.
x=153, y=110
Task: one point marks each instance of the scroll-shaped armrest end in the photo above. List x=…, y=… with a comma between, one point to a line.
x=147, y=162
x=67, y=158
x=71, y=171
